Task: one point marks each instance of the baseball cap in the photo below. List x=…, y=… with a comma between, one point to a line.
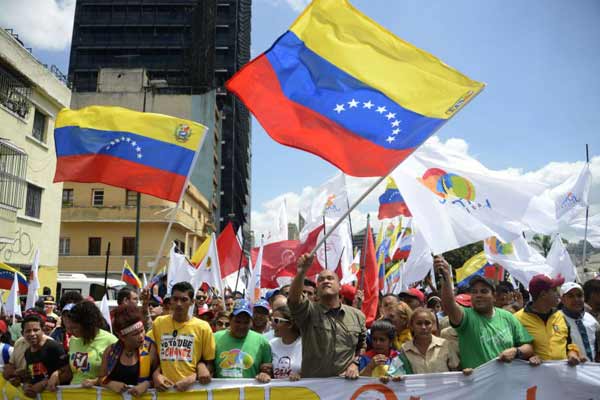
x=416, y=293
x=271, y=293
x=541, y=282
x=568, y=286
x=262, y=303
x=463, y=299
x=241, y=306
x=202, y=311
x=348, y=292
x=482, y=279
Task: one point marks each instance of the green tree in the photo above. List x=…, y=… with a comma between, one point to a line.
x=457, y=257
x=541, y=243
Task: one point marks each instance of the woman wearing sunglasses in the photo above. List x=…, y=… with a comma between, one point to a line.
x=286, y=346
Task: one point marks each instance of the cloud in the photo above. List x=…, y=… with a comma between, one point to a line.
x=40, y=24
x=296, y=5
x=551, y=175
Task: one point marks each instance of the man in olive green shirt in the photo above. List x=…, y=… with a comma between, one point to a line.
x=332, y=334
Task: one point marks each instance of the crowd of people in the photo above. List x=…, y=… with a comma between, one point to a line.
x=303, y=330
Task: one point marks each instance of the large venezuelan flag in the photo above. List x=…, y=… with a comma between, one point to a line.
x=7, y=276
x=145, y=152
x=342, y=87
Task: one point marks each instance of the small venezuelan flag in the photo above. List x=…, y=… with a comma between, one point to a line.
x=129, y=277
x=391, y=202
x=144, y=152
x=340, y=86
x=476, y=265
x=7, y=276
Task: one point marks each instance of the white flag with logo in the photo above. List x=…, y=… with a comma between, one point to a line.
x=419, y=261
x=209, y=270
x=349, y=274
x=34, y=283
x=253, y=292
x=180, y=270
x=520, y=259
x=559, y=260
x=572, y=195
x=456, y=201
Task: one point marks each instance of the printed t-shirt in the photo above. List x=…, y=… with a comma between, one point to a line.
x=42, y=363
x=240, y=358
x=394, y=366
x=287, y=358
x=182, y=345
x=481, y=339
x=85, y=359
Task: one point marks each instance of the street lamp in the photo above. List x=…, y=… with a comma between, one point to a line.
x=152, y=84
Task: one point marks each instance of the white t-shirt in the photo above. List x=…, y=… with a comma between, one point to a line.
x=287, y=358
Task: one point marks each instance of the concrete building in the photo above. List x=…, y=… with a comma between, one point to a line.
x=95, y=214
x=30, y=98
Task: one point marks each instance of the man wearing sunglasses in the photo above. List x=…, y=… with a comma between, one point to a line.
x=200, y=301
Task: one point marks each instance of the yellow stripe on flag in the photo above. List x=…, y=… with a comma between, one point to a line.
x=117, y=119
x=201, y=252
x=353, y=42
x=471, y=266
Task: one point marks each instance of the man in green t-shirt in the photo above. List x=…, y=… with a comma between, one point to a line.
x=484, y=331
x=240, y=352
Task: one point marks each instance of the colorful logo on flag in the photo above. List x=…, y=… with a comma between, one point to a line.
x=497, y=247
x=183, y=133
x=569, y=201
x=448, y=185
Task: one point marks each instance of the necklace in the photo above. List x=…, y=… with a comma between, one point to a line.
x=175, y=329
x=130, y=353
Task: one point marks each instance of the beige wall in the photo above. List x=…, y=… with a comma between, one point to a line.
x=49, y=95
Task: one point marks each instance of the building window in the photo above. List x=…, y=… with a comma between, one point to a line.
x=130, y=198
x=97, y=197
x=128, y=246
x=33, y=204
x=64, y=246
x=180, y=246
x=67, y=198
x=13, y=169
x=14, y=93
x=39, y=126
x=94, y=246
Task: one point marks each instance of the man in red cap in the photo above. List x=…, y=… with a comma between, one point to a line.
x=413, y=297
x=546, y=324
x=484, y=331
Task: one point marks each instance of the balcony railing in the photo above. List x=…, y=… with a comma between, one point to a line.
x=14, y=94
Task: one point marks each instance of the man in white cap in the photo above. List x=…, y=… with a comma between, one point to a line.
x=585, y=330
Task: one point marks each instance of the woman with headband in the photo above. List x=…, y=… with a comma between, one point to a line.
x=127, y=365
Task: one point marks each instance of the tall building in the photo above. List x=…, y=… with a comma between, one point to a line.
x=195, y=45
x=232, y=52
x=30, y=98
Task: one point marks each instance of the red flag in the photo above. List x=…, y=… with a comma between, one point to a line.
x=279, y=259
x=371, y=279
x=229, y=251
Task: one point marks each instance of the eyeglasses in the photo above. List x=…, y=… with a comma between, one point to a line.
x=222, y=323
x=200, y=297
x=280, y=320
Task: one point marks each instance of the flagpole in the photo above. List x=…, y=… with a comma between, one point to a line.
x=349, y=216
x=174, y=212
x=324, y=240
x=587, y=210
x=106, y=268
x=361, y=284
x=237, y=279
x=347, y=213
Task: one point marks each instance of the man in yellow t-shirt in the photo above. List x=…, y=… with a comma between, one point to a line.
x=185, y=345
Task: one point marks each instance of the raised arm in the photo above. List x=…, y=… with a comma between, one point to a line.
x=454, y=312
x=304, y=263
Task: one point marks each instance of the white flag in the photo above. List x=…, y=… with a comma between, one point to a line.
x=34, y=283
x=518, y=258
x=456, y=201
x=559, y=260
x=253, y=292
x=104, y=309
x=419, y=261
x=349, y=274
x=279, y=230
x=593, y=229
x=209, y=270
x=179, y=270
x=573, y=193
x=13, y=305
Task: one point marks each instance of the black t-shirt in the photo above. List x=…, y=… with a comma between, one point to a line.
x=42, y=363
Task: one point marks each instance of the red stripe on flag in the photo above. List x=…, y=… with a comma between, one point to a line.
x=294, y=125
x=114, y=171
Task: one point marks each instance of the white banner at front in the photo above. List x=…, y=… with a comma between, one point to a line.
x=494, y=380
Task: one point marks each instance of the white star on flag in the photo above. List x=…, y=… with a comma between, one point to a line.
x=139, y=156
x=396, y=131
x=390, y=115
x=117, y=140
x=138, y=148
x=123, y=138
x=390, y=139
x=339, y=108
x=128, y=139
x=112, y=142
x=133, y=143
x=368, y=105
x=353, y=103
x=395, y=123
x=381, y=110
